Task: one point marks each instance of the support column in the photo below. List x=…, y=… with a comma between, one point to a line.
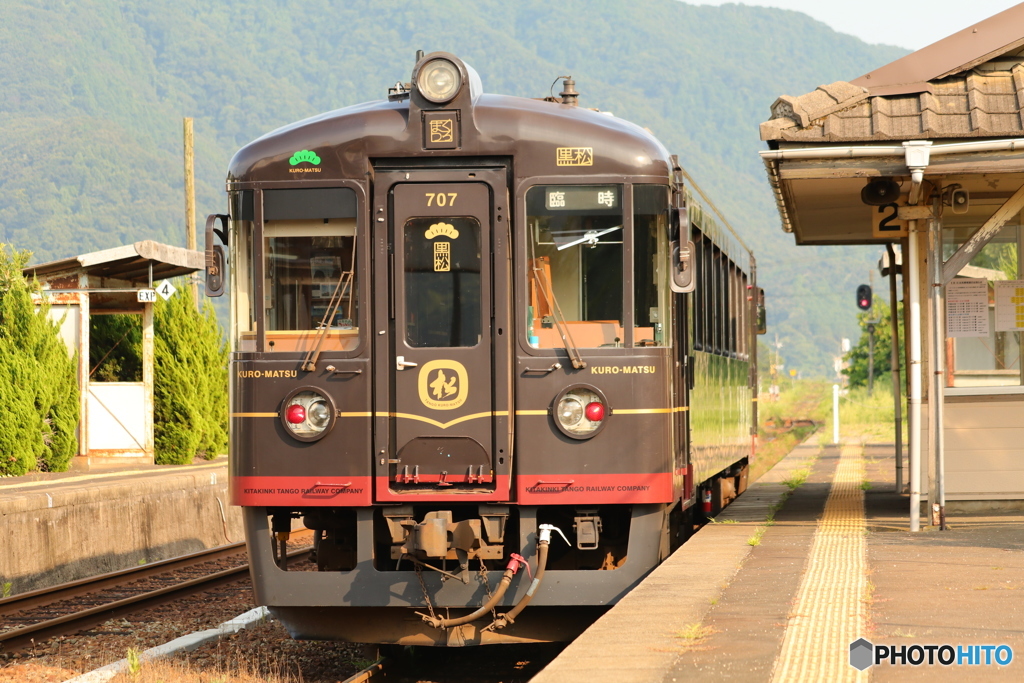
x=913, y=323
x=936, y=364
x=147, y=375
x=894, y=328
x=83, y=367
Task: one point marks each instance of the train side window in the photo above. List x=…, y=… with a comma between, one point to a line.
x=702, y=261
x=718, y=302
x=574, y=265
x=651, y=293
x=744, y=308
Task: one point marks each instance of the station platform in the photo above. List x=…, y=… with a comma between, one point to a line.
x=791, y=574
x=59, y=527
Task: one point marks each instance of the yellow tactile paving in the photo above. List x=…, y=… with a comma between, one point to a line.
x=829, y=610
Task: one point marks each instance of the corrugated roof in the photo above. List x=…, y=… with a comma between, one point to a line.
x=980, y=103
x=130, y=262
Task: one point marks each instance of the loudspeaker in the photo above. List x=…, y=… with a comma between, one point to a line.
x=880, y=191
x=960, y=201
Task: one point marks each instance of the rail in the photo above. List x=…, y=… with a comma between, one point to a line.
x=81, y=619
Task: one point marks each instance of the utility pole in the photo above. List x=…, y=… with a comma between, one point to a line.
x=190, y=202
x=871, y=356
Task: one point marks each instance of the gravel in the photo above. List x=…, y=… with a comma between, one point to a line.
x=263, y=653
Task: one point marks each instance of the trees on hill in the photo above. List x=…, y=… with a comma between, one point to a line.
x=38, y=388
x=857, y=358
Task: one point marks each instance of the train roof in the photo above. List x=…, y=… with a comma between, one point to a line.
x=543, y=138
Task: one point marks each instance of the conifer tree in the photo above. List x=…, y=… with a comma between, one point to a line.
x=191, y=398
x=38, y=387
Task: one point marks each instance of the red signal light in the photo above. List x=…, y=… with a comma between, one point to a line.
x=295, y=414
x=595, y=411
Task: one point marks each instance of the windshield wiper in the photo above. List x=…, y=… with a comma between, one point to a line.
x=344, y=284
x=548, y=291
x=590, y=238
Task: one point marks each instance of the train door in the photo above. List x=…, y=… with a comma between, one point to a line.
x=444, y=399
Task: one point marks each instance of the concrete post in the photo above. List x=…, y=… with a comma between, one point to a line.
x=912, y=319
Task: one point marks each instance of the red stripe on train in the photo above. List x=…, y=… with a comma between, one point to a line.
x=502, y=490
x=302, y=491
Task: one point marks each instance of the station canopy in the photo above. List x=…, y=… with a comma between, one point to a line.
x=961, y=93
x=125, y=268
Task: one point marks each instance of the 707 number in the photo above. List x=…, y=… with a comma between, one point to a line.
x=441, y=198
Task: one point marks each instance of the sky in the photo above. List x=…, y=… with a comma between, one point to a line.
x=911, y=24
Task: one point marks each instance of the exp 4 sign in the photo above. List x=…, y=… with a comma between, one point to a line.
x=145, y=296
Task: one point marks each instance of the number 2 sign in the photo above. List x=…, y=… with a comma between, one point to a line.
x=885, y=223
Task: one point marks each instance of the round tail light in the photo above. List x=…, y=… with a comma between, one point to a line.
x=595, y=411
x=296, y=414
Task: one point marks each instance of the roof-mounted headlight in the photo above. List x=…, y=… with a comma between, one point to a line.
x=439, y=80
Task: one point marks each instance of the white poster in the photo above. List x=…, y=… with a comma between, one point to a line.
x=1009, y=305
x=967, y=307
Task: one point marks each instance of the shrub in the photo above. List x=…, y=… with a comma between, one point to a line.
x=38, y=387
x=191, y=385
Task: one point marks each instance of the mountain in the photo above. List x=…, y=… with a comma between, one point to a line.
x=92, y=94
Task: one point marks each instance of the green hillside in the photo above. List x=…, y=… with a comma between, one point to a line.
x=92, y=94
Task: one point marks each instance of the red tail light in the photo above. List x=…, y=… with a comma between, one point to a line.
x=295, y=414
x=595, y=411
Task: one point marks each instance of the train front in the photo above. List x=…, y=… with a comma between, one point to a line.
x=453, y=359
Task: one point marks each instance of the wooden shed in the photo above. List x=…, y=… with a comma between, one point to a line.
x=116, y=424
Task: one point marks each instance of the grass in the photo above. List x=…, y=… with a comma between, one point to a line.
x=797, y=478
x=7, y=586
x=870, y=417
x=134, y=665
x=693, y=632
x=800, y=402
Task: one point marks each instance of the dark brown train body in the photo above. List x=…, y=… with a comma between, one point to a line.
x=404, y=275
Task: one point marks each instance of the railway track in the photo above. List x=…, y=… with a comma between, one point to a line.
x=72, y=607
x=503, y=664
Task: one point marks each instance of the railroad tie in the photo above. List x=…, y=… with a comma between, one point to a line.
x=829, y=613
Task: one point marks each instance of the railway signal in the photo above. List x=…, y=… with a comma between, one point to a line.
x=864, y=297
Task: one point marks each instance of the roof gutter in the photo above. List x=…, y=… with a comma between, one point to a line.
x=916, y=152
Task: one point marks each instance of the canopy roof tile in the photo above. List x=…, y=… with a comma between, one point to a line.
x=968, y=85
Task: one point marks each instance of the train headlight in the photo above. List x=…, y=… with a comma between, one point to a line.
x=308, y=414
x=579, y=411
x=439, y=80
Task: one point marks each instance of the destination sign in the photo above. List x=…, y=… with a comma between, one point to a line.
x=581, y=198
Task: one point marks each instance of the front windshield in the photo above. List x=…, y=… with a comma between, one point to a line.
x=574, y=265
x=310, y=284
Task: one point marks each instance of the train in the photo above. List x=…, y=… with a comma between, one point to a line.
x=497, y=353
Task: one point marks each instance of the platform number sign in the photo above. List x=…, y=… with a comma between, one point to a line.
x=145, y=296
x=166, y=290
x=885, y=221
